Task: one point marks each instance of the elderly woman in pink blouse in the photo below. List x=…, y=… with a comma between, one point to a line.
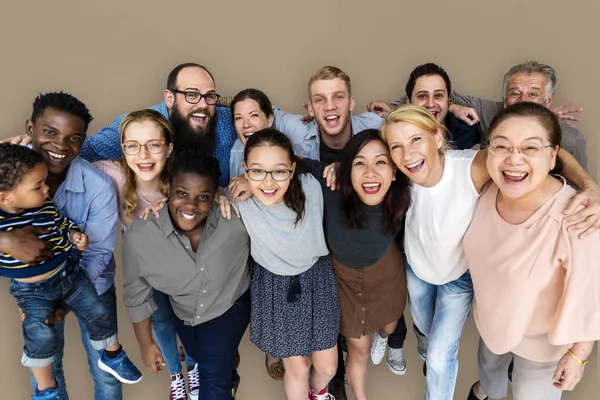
x=536, y=285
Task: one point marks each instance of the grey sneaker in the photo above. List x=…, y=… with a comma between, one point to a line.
x=421, y=344
x=396, y=361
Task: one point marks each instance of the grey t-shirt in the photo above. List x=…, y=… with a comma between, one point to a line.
x=275, y=242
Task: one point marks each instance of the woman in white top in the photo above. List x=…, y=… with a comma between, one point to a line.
x=445, y=189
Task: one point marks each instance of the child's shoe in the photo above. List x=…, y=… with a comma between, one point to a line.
x=120, y=367
x=47, y=394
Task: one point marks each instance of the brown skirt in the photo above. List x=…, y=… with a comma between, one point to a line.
x=371, y=297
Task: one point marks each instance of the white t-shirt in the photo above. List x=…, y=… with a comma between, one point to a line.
x=437, y=220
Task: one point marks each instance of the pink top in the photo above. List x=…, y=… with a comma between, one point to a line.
x=537, y=286
x=113, y=169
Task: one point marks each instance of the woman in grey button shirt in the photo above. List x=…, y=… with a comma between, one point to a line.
x=198, y=258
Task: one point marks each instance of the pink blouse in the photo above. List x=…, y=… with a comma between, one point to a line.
x=537, y=286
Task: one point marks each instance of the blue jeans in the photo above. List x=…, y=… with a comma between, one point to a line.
x=70, y=287
x=215, y=344
x=165, y=334
x=106, y=387
x=440, y=311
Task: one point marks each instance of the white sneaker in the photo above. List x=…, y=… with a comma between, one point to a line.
x=396, y=361
x=422, y=344
x=378, y=345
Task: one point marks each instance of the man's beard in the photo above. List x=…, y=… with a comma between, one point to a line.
x=185, y=136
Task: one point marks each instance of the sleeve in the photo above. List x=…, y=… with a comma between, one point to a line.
x=314, y=168
x=64, y=225
x=368, y=120
x=401, y=101
x=291, y=125
x=137, y=292
x=104, y=145
x=101, y=228
x=487, y=110
x=577, y=317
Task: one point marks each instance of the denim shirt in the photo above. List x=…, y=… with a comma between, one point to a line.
x=88, y=198
x=106, y=144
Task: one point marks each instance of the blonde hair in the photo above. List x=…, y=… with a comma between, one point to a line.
x=327, y=73
x=417, y=116
x=130, y=196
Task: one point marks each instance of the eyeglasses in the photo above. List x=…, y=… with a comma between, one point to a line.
x=278, y=175
x=195, y=97
x=131, y=148
x=505, y=149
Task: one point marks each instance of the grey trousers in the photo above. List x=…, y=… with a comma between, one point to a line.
x=530, y=380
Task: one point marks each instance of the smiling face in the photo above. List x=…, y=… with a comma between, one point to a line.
x=269, y=158
x=528, y=87
x=197, y=118
x=331, y=105
x=29, y=193
x=248, y=118
x=416, y=152
x=58, y=137
x=518, y=175
x=372, y=173
x=430, y=92
x=190, y=201
x=146, y=166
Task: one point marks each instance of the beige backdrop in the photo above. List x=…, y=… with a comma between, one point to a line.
x=115, y=56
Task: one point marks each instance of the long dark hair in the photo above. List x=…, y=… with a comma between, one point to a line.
x=396, y=200
x=294, y=197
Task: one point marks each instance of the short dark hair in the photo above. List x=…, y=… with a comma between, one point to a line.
x=426, y=70
x=294, y=197
x=61, y=101
x=195, y=160
x=544, y=116
x=396, y=200
x=15, y=163
x=260, y=97
x=174, y=74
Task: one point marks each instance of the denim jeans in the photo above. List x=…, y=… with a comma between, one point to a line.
x=214, y=343
x=165, y=334
x=70, y=287
x=440, y=311
x=106, y=387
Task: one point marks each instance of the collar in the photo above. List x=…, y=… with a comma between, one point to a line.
x=74, y=180
x=166, y=226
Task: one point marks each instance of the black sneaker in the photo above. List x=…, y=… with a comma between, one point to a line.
x=472, y=394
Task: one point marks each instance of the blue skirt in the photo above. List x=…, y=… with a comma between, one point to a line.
x=284, y=329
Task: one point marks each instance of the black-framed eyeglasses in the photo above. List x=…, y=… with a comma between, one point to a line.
x=195, y=97
x=278, y=175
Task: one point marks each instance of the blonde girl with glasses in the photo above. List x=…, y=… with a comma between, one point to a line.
x=295, y=309
x=445, y=189
x=141, y=177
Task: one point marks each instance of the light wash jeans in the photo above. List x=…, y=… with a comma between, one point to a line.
x=440, y=311
x=106, y=387
x=163, y=325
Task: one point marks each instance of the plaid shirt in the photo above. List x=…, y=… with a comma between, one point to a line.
x=106, y=144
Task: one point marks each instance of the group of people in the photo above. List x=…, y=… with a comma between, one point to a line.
x=313, y=230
